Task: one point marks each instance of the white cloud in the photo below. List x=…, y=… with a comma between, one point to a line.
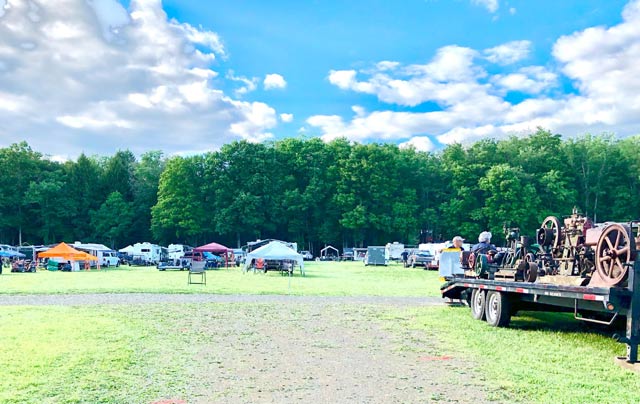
x=449, y=77
x=3, y=6
x=387, y=65
x=274, y=81
x=600, y=62
x=249, y=84
x=490, y=5
x=257, y=115
x=468, y=134
x=509, y=52
x=136, y=80
x=532, y=80
x=420, y=143
x=513, y=11
x=286, y=118
x=344, y=79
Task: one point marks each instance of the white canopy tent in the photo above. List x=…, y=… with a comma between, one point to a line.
x=275, y=250
x=127, y=250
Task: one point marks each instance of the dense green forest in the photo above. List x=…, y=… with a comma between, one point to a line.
x=316, y=193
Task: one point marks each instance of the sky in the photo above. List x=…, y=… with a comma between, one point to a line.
x=187, y=76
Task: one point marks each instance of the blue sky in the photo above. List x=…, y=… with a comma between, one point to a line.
x=186, y=76
x=304, y=40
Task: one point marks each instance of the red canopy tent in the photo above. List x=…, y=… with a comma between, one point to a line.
x=215, y=248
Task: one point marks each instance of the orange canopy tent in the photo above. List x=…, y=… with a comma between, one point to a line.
x=64, y=251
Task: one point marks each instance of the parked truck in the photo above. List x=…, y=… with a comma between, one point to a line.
x=107, y=257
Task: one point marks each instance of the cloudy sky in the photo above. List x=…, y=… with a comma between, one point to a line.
x=186, y=76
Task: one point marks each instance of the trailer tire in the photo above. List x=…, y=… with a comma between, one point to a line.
x=478, y=303
x=497, y=309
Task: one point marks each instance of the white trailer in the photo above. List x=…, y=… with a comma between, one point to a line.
x=394, y=251
x=106, y=256
x=176, y=251
x=149, y=253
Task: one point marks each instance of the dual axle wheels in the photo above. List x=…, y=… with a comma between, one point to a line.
x=493, y=306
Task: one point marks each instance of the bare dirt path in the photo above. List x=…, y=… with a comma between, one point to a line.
x=325, y=353
x=293, y=349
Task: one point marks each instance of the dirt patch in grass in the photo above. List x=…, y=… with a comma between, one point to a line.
x=278, y=351
x=321, y=353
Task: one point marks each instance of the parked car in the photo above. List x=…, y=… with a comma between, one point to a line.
x=306, y=255
x=420, y=259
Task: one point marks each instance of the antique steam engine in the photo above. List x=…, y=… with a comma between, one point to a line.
x=516, y=261
x=567, y=250
x=572, y=252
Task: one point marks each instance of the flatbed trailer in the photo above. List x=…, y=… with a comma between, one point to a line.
x=497, y=300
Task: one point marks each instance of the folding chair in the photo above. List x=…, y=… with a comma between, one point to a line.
x=198, y=271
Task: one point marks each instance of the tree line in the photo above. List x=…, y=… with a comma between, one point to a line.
x=316, y=193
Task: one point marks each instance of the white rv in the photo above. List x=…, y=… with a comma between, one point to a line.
x=149, y=253
x=106, y=256
x=176, y=251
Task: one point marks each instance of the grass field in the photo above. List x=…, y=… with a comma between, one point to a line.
x=87, y=355
x=139, y=353
x=322, y=278
x=540, y=358
x=146, y=353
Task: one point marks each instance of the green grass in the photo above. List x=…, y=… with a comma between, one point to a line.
x=322, y=278
x=89, y=355
x=136, y=354
x=147, y=353
x=540, y=358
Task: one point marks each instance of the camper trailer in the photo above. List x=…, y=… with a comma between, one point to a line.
x=177, y=251
x=150, y=254
x=106, y=256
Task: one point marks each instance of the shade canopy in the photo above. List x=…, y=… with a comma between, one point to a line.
x=127, y=250
x=328, y=249
x=213, y=248
x=65, y=251
x=11, y=254
x=275, y=250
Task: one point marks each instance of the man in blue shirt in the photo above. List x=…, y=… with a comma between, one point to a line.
x=484, y=244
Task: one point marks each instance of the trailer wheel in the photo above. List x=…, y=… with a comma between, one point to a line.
x=498, y=309
x=478, y=299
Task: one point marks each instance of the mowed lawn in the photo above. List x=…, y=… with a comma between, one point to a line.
x=539, y=358
x=145, y=352
x=322, y=278
x=148, y=353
